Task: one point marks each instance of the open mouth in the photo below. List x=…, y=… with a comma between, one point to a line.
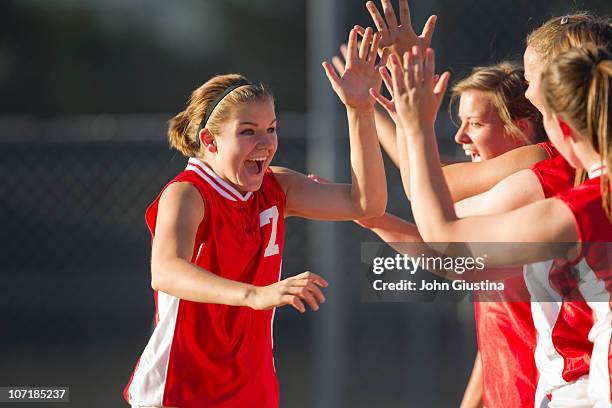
x=475, y=157
x=255, y=165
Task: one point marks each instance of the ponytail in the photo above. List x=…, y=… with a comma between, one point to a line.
x=178, y=135
x=599, y=125
x=577, y=85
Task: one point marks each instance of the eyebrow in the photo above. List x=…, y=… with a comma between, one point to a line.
x=253, y=123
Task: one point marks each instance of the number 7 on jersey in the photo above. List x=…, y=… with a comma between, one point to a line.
x=271, y=214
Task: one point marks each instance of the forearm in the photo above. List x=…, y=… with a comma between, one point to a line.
x=369, y=185
x=432, y=204
x=386, y=130
x=180, y=278
x=393, y=229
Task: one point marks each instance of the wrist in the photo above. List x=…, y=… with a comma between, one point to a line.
x=249, y=295
x=360, y=110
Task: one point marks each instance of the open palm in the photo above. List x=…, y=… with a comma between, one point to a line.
x=360, y=72
x=399, y=38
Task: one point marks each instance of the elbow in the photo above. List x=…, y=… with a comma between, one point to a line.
x=158, y=280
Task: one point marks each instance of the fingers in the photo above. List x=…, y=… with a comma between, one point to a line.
x=408, y=70
x=343, y=49
x=365, y=44
x=417, y=66
x=428, y=31
x=429, y=67
x=305, y=294
x=441, y=85
x=379, y=22
x=338, y=63
x=313, y=277
x=397, y=76
x=293, y=301
x=374, y=48
x=384, y=73
x=383, y=58
x=384, y=102
x=351, y=52
x=332, y=75
x=389, y=15
x=404, y=13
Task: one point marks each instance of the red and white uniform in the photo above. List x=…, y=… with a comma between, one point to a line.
x=210, y=355
x=560, y=291
x=507, y=341
x=594, y=278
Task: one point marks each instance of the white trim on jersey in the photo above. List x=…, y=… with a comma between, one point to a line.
x=596, y=170
x=220, y=184
x=149, y=381
x=546, y=305
x=598, y=298
x=209, y=181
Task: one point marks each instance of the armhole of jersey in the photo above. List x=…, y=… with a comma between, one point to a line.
x=540, y=178
x=280, y=188
x=573, y=210
x=202, y=196
x=547, y=149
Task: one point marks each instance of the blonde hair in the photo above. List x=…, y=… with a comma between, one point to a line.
x=505, y=82
x=559, y=34
x=577, y=86
x=562, y=33
x=183, y=127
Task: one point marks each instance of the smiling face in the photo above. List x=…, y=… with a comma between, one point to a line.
x=245, y=145
x=482, y=134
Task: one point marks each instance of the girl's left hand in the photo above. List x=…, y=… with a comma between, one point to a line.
x=361, y=73
x=415, y=92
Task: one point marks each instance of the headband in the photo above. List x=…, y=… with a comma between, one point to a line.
x=215, y=102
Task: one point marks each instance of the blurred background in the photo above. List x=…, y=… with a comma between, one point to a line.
x=87, y=88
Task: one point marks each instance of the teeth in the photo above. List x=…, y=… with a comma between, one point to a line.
x=258, y=159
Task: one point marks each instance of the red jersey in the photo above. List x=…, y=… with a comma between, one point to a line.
x=506, y=341
x=563, y=351
x=210, y=355
x=594, y=278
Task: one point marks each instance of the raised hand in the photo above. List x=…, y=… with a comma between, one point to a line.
x=292, y=291
x=399, y=38
x=360, y=71
x=416, y=95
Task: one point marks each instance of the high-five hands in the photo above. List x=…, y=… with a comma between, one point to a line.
x=360, y=73
x=399, y=38
x=416, y=92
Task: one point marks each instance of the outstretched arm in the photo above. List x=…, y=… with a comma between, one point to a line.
x=366, y=196
x=180, y=211
x=542, y=222
x=471, y=178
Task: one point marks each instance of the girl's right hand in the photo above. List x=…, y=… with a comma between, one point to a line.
x=291, y=291
x=360, y=72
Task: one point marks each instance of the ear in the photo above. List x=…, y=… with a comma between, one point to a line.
x=208, y=140
x=527, y=129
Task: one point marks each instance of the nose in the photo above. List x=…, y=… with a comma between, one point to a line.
x=461, y=137
x=266, y=141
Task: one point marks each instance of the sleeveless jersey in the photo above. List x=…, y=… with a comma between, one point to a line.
x=563, y=350
x=506, y=341
x=594, y=277
x=210, y=355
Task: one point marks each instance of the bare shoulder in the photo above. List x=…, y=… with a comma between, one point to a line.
x=522, y=157
x=286, y=177
x=182, y=200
